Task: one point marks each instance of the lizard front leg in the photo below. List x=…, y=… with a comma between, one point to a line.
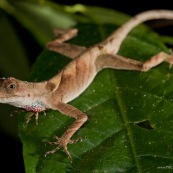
x=80, y=117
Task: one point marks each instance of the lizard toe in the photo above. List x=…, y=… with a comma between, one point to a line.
x=61, y=143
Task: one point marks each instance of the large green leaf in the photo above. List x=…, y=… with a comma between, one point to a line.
x=130, y=114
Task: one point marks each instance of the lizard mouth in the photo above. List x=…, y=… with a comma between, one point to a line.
x=6, y=99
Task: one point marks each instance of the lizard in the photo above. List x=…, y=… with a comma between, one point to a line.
x=74, y=78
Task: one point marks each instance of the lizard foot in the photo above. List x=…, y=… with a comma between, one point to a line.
x=36, y=117
x=61, y=143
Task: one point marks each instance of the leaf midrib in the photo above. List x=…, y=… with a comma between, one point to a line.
x=126, y=125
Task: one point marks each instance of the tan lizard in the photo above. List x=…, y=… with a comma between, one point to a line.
x=72, y=80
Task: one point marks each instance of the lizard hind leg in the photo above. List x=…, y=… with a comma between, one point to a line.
x=66, y=49
x=120, y=62
x=63, y=35
x=58, y=44
x=117, y=62
x=158, y=59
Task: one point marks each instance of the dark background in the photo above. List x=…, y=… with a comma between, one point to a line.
x=131, y=7
x=11, y=160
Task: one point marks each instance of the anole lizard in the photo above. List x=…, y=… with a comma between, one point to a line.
x=73, y=79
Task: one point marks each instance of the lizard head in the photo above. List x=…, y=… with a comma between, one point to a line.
x=17, y=92
x=9, y=89
x=23, y=94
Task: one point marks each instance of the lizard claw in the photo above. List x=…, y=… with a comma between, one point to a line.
x=61, y=143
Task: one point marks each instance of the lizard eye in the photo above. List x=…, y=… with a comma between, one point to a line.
x=12, y=86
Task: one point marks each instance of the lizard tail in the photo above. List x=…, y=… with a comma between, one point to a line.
x=113, y=43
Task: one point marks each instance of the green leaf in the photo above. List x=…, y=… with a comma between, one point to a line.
x=130, y=114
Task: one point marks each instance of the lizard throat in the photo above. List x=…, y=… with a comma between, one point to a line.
x=34, y=107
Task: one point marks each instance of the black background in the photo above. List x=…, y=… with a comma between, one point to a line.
x=11, y=150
